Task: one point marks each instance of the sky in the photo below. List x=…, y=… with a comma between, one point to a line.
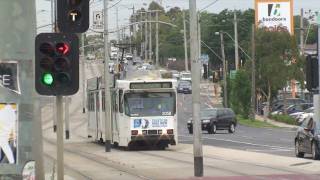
x=125, y=9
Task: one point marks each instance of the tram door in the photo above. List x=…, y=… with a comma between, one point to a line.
x=97, y=114
x=114, y=114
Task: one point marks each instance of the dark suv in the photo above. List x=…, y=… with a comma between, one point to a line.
x=307, y=139
x=214, y=119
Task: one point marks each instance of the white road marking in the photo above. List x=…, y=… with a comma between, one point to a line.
x=241, y=142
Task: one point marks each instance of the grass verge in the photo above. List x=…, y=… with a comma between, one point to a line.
x=254, y=123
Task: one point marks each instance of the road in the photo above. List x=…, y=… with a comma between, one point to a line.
x=268, y=140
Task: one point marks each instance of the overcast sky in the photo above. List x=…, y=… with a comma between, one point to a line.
x=44, y=8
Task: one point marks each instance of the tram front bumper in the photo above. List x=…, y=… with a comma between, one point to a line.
x=154, y=139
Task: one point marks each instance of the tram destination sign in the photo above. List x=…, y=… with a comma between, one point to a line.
x=9, y=75
x=151, y=85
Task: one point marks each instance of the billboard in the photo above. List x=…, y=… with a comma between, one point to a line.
x=8, y=133
x=275, y=15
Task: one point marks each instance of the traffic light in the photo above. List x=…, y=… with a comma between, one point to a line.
x=73, y=16
x=57, y=64
x=312, y=73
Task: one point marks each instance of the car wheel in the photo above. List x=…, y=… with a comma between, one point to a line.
x=297, y=151
x=315, y=152
x=232, y=128
x=212, y=129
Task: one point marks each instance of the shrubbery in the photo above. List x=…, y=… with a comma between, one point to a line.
x=284, y=118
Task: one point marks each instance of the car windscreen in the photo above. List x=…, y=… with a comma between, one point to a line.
x=208, y=113
x=309, y=110
x=150, y=104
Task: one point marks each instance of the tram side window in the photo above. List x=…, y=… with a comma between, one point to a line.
x=91, y=101
x=121, y=101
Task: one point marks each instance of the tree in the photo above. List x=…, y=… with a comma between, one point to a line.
x=277, y=61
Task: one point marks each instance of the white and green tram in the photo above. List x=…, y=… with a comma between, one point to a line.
x=144, y=112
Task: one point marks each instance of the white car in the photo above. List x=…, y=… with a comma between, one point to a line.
x=185, y=76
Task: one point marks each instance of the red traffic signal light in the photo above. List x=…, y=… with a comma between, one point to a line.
x=57, y=64
x=63, y=48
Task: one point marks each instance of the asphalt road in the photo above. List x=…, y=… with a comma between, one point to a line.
x=267, y=140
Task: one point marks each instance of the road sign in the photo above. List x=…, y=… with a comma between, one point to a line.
x=204, y=58
x=97, y=20
x=233, y=74
x=9, y=77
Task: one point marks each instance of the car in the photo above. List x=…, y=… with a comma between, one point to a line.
x=213, y=119
x=295, y=108
x=184, y=87
x=299, y=116
x=129, y=57
x=278, y=104
x=185, y=76
x=175, y=74
x=307, y=139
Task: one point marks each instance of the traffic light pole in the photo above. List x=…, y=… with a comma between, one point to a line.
x=60, y=165
x=108, y=130
x=67, y=114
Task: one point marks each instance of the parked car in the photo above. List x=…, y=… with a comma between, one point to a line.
x=307, y=139
x=308, y=113
x=295, y=108
x=279, y=104
x=129, y=57
x=185, y=76
x=214, y=119
x=184, y=87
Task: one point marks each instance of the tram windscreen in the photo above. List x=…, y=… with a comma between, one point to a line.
x=150, y=104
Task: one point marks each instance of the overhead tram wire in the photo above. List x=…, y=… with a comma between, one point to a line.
x=208, y=5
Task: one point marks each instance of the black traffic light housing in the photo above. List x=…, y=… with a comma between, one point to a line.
x=73, y=16
x=57, y=64
x=312, y=73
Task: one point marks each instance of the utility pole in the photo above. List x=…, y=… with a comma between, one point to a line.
x=141, y=34
x=118, y=34
x=225, y=93
x=108, y=130
x=316, y=97
x=83, y=75
x=195, y=70
x=301, y=33
x=157, y=40
x=253, y=76
x=199, y=34
x=236, y=42
x=150, y=38
x=185, y=42
x=146, y=37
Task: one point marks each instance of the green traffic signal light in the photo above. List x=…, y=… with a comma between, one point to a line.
x=47, y=79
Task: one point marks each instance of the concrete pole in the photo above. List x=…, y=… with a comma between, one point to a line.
x=145, y=36
x=66, y=116
x=150, y=38
x=107, y=101
x=118, y=36
x=236, y=42
x=195, y=69
x=60, y=151
x=83, y=73
x=253, y=76
x=199, y=34
x=185, y=42
x=141, y=31
x=157, y=40
x=301, y=33
x=225, y=92
x=316, y=97
x=37, y=141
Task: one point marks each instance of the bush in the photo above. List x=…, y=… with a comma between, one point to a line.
x=284, y=118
